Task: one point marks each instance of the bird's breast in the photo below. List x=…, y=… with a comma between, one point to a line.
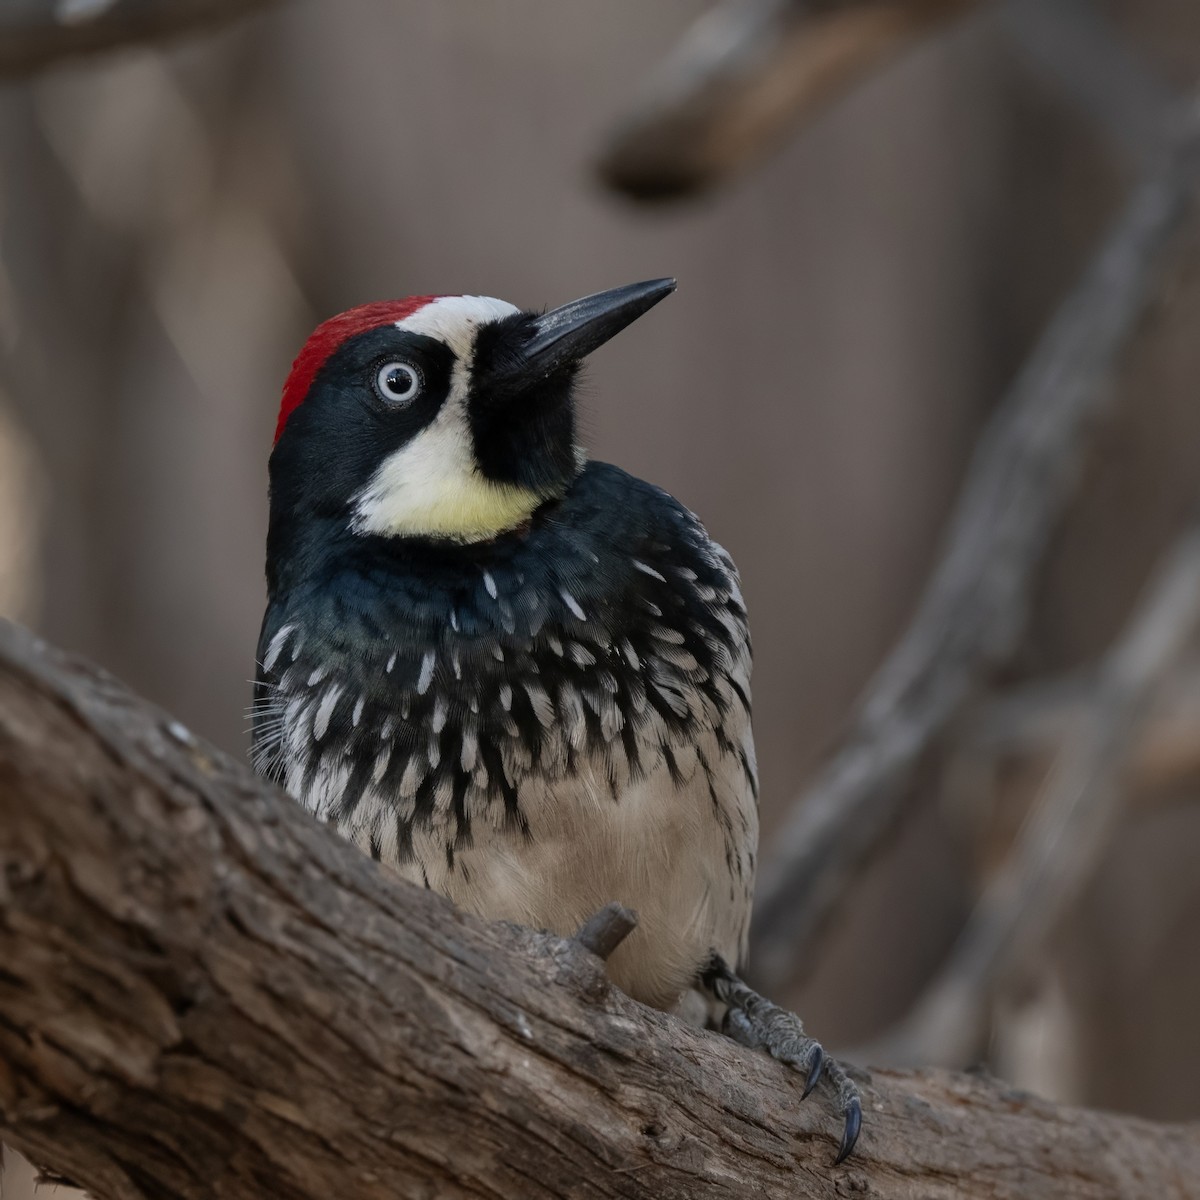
x=536, y=741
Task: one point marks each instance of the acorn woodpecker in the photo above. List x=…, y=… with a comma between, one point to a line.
x=515, y=676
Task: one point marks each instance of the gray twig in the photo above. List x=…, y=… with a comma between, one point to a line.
x=604, y=931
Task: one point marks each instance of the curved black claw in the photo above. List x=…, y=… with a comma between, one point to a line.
x=815, y=1071
x=755, y=1022
x=850, y=1133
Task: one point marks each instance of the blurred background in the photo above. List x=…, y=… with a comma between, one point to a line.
x=854, y=301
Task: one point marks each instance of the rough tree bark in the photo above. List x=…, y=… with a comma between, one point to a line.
x=204, y=993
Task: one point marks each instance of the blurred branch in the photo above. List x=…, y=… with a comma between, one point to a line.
x=975, y=606
x=1063, y=840
x=749, y=70
x=1035, y=720
x=743, y=75
x=1075, y=47
x=206, y=992
x=37, y=33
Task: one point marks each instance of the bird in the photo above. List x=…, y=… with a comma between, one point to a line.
x=507, y=672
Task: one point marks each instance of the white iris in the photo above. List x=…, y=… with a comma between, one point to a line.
x=397, y=382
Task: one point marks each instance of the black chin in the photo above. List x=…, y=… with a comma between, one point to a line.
x=522, y=423
x=522, y=407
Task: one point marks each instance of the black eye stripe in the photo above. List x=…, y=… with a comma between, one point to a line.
x=348, y=417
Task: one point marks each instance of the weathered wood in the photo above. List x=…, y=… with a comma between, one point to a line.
x=603, y=932
x=204, y=993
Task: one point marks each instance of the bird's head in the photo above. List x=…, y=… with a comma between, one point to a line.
x=445, y=417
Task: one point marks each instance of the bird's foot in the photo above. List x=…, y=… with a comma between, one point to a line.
x=753, y=1021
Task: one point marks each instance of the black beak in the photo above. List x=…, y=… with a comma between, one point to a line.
x=521, y=402
x=573, y=331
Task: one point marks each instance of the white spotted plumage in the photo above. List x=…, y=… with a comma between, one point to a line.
x=674, y=841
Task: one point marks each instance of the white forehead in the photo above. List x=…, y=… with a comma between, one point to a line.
x=455, y=319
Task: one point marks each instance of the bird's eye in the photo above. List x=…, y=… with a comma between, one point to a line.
x=397, y=382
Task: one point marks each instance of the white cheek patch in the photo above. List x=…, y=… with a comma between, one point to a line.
x=432, y=486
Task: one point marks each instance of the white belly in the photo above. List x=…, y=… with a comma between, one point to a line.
x=678, y=851
x=680, y=856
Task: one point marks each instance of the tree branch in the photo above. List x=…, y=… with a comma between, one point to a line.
x=1062, y=842
x=743, y=75
x=204, y=992
x=1075, y=46
x=606, y=930
x=976, y=604
x=1033, y=721
x=37, y=33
